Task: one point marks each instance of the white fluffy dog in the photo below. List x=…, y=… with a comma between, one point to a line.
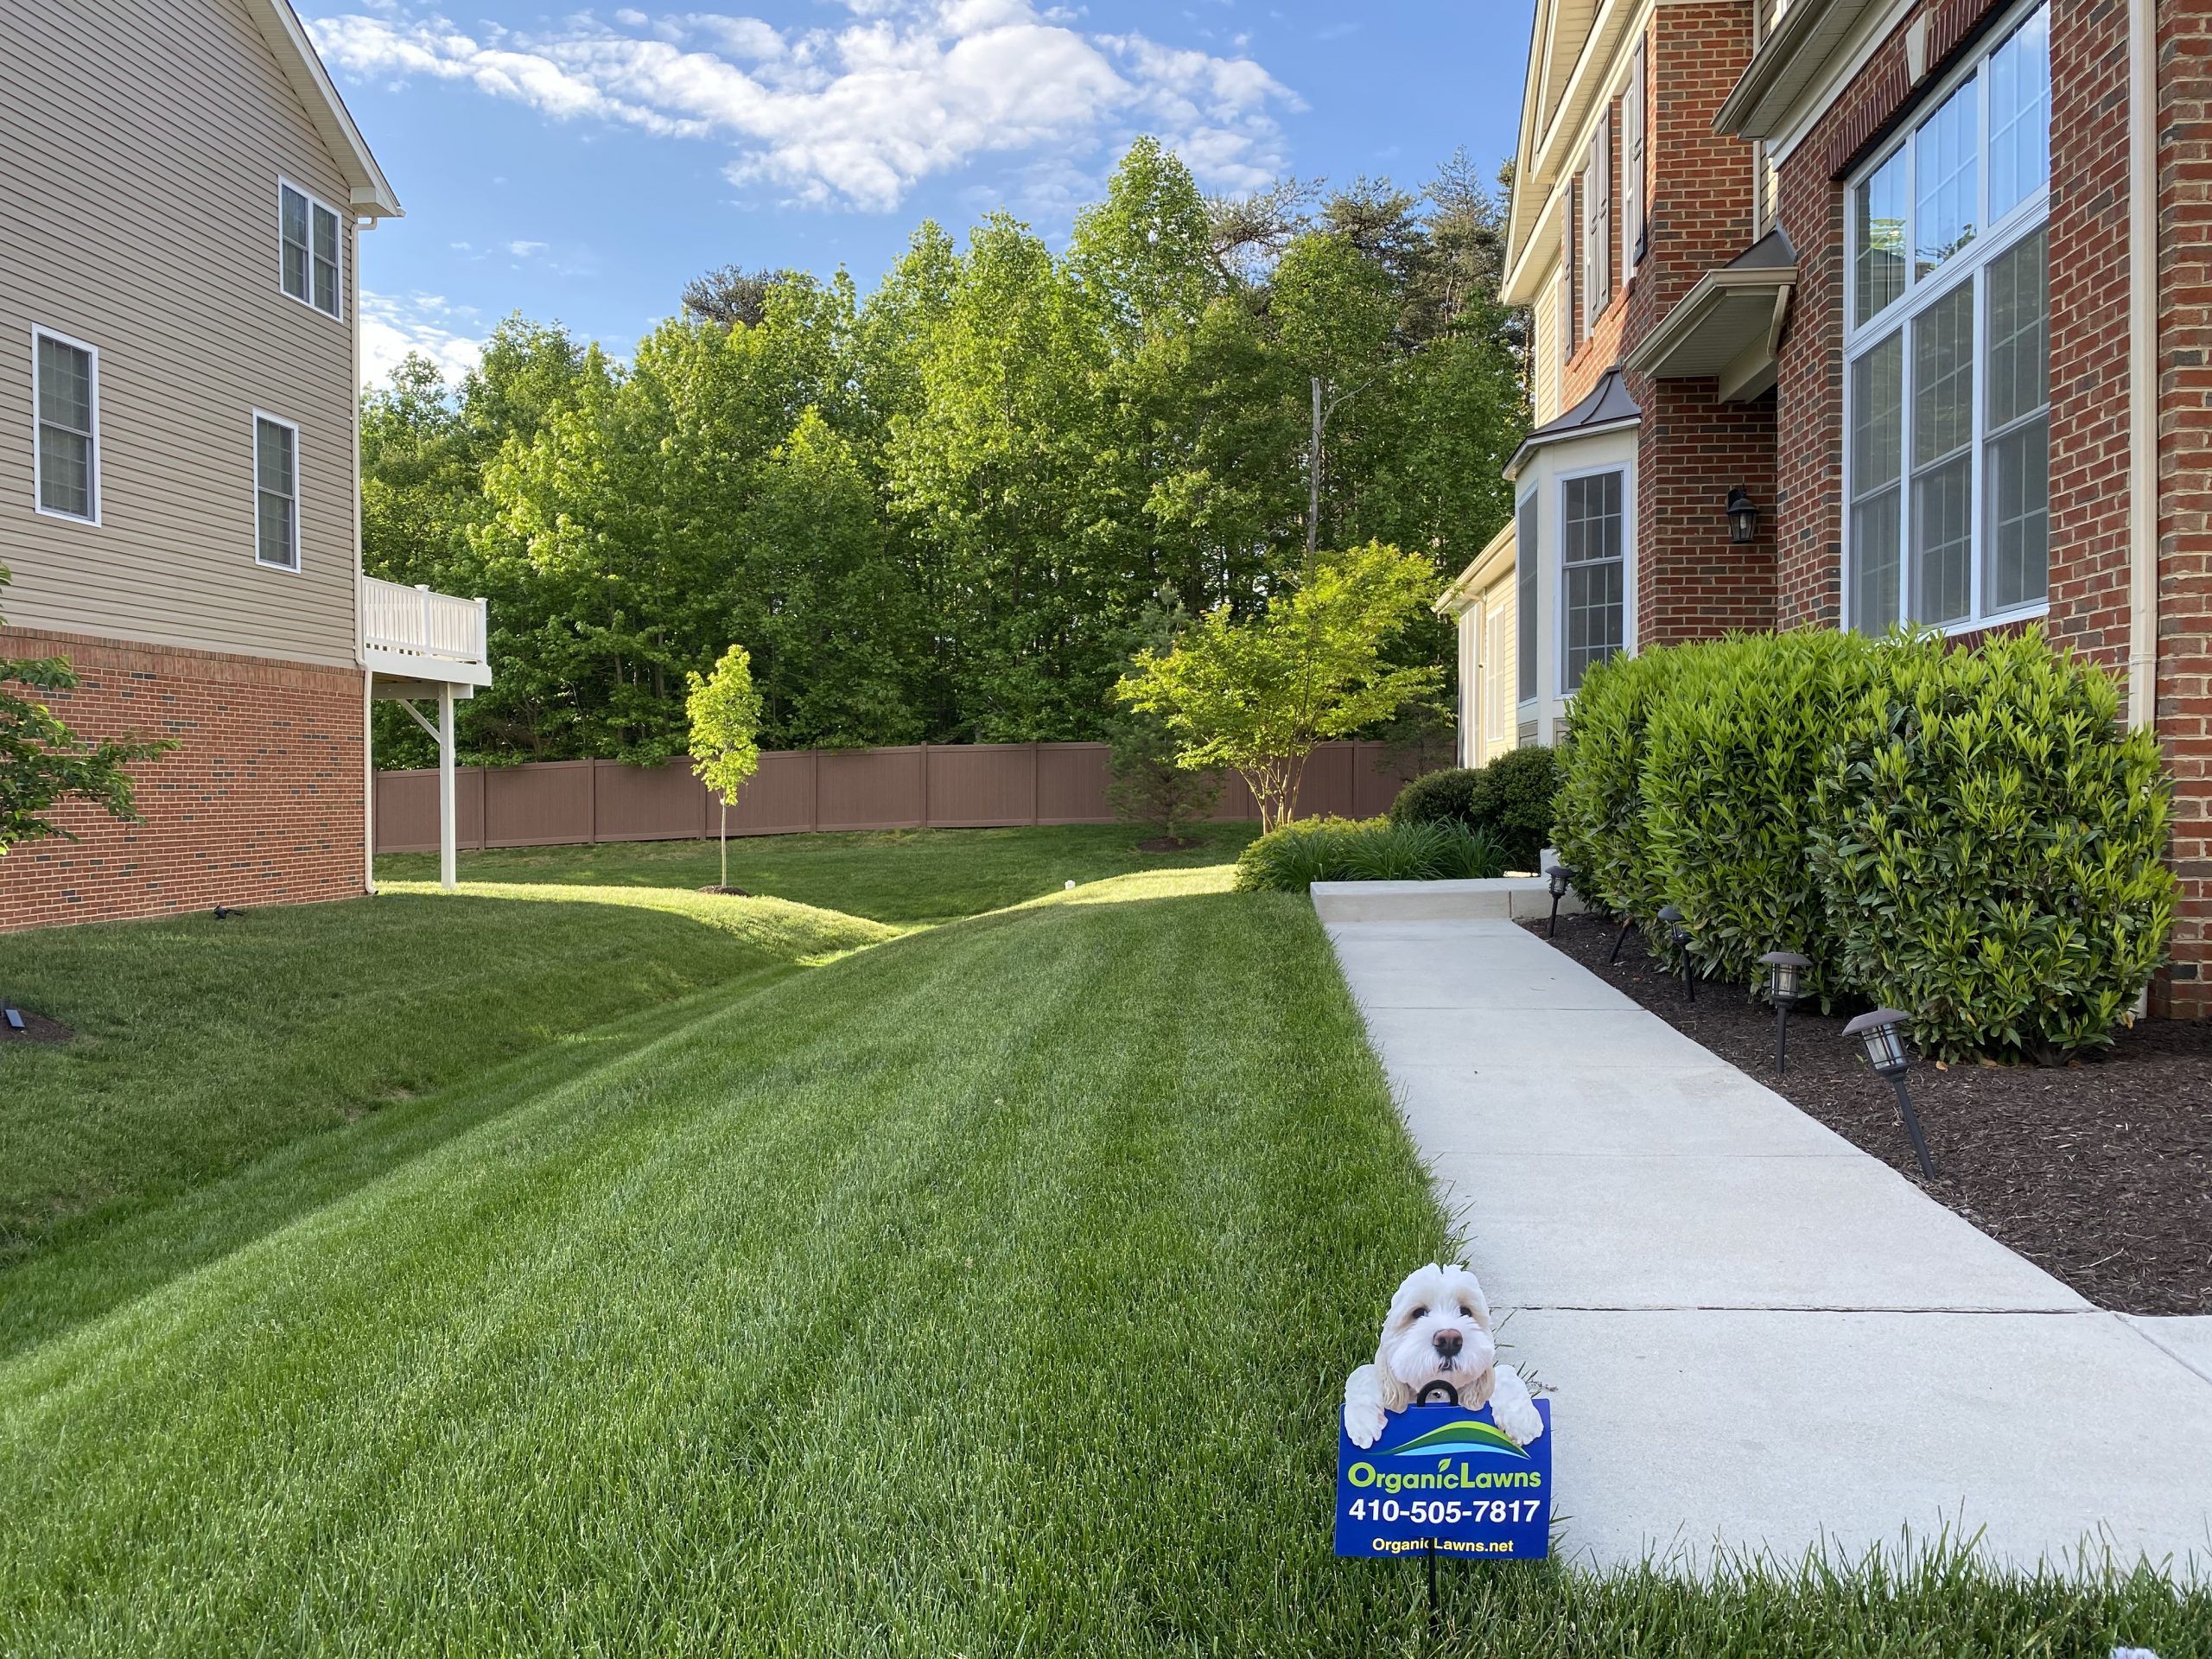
x=1439, y=1330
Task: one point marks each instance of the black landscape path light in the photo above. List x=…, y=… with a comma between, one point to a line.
x=1562, y=878
x=1883, y=1033
x=1785, y=974
x=1678, y=935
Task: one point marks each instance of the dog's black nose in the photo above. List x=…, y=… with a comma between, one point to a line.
x=1448, y=1343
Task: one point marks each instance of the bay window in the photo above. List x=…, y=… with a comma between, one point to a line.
x=1946, y=392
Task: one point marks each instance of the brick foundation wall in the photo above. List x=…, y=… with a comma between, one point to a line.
x=260, y=804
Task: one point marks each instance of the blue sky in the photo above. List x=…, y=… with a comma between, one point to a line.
x=583, y=165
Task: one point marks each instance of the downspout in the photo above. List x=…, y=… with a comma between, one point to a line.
x=2142, y=363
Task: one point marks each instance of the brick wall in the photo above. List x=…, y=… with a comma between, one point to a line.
x=2185, y=679
x=261, y=804
x=1692, y=582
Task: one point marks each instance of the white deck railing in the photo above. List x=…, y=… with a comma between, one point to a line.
x=416, y=622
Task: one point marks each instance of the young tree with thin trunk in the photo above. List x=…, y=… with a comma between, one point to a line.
x=724, y=709
x=1257, y=695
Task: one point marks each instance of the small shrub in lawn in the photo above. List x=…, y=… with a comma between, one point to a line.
x=1291, y=858
x=1986, y=840
x=1598, y=825
x=1730, y=758
x=1515, y=798
x=1445, y=797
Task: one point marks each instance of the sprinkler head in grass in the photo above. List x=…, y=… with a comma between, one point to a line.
x=1561, y=878
x=1067, y=887
x=1785, y=979
x=1678, y=935
x=1881, y=1032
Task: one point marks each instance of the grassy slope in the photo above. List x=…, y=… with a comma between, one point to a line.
x=204, y=1044
x=988, y=1293
x=900, y=876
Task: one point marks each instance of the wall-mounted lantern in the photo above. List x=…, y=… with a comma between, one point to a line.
x=1743, y=517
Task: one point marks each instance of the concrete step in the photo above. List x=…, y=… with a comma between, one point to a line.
x=1506, y=898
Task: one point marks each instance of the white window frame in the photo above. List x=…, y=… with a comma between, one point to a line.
x=38, y=456
x=299, y=556
x=1556, y=565
x=1991, y=243
x=338, y=219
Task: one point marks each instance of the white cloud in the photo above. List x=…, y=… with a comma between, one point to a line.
x=525, y=249
x=856, y=115
x=394, y=325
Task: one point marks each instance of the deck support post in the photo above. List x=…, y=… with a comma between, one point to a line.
x=448, y=857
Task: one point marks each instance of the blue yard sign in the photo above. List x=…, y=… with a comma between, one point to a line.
x=1444, y=1475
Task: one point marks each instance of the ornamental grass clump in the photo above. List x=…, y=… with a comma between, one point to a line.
x=1986, y=838
x=1730, y=759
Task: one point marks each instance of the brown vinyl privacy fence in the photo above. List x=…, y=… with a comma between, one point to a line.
x=970, y=786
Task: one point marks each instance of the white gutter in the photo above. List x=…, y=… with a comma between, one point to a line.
x=2142, y=364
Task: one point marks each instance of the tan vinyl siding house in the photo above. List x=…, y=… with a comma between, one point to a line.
x=181, y=191
x=141, y=144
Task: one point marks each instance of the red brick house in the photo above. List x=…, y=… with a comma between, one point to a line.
x=1929, y=281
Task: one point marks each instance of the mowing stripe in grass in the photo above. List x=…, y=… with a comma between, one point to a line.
x=988, y=1293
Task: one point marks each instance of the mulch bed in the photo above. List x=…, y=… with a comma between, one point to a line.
x=37, y=1028
x=729, y=893
x=2099, y=1172
x=1167, y=844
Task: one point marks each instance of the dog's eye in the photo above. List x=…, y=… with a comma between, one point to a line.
x=1466, y=1312
x=1418, y=1314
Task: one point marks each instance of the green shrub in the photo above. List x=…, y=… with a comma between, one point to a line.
x=1988, y=843
x=1511, y=800
x=1598, y=825
x=1729, y=761
x=1515, y=799
x=1444, y=797
x=1292, y=858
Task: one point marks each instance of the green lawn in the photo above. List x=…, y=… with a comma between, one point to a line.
x=989, y=1292
x=899, y=876
x=203, y=1045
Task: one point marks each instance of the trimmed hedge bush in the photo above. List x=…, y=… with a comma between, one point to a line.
x=1515, y=798
x=1600, y=826
x=1447, y=797
x=1987, y=841
x=1967, y=836
x=1730, y=759
x=1511, y=800
x=1292, y=858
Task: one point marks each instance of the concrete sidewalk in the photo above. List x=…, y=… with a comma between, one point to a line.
x=1759, y=1338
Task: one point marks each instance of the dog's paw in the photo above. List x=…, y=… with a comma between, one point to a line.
x=1364, y=1422
x=1517, y=1418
